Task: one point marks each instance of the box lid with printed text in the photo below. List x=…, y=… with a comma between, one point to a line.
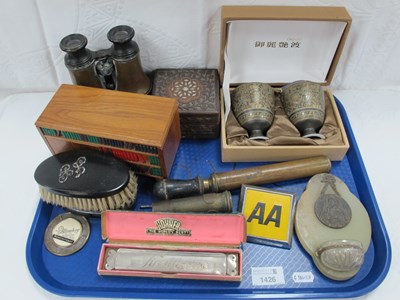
x=289, y=42
x=222, y=230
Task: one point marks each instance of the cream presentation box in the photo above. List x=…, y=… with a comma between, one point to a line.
x=279, y=45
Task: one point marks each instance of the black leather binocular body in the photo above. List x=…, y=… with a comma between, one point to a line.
x=116, y=68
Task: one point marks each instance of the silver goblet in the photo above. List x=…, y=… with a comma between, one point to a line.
x=304, y=104
x=253, y=105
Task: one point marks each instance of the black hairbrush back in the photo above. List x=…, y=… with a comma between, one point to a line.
x=86, y=181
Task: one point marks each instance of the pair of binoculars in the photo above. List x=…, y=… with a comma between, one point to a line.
x=116, y=68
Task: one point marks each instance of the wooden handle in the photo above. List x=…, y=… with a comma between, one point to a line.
x=270, y=173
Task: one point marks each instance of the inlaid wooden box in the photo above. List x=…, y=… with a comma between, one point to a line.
x=197, y=91
x=140, y=129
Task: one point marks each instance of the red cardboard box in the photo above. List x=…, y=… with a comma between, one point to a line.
x=192, y=235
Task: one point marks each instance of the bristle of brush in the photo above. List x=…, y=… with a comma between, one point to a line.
x=122, y=200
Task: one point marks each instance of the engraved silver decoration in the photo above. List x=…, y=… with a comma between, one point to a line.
x=341, y=255
x=66, y=171
x=304, y=104
x=253, y=105
x=170, y=261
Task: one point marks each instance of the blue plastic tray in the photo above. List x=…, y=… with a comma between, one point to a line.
x=76, y=275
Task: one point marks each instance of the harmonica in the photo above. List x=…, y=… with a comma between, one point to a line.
x=171, y=261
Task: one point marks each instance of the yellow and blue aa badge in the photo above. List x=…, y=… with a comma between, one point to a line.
x=269, y=215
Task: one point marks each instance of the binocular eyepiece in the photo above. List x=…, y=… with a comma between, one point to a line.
x=116, y=68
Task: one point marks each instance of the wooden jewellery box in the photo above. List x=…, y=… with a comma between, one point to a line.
x=281, y=45
x=198, y=94
x=140, y=129
x=172, y=245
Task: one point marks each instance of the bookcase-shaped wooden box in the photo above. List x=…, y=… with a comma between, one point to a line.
x=140, y=129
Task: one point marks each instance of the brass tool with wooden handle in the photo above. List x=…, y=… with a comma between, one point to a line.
x=218, y=182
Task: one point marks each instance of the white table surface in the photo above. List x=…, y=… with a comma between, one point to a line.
x=374, y=116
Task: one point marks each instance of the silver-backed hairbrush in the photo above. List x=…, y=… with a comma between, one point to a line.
x=86, y=182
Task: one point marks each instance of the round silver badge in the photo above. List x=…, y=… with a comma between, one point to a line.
x=66, y=234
